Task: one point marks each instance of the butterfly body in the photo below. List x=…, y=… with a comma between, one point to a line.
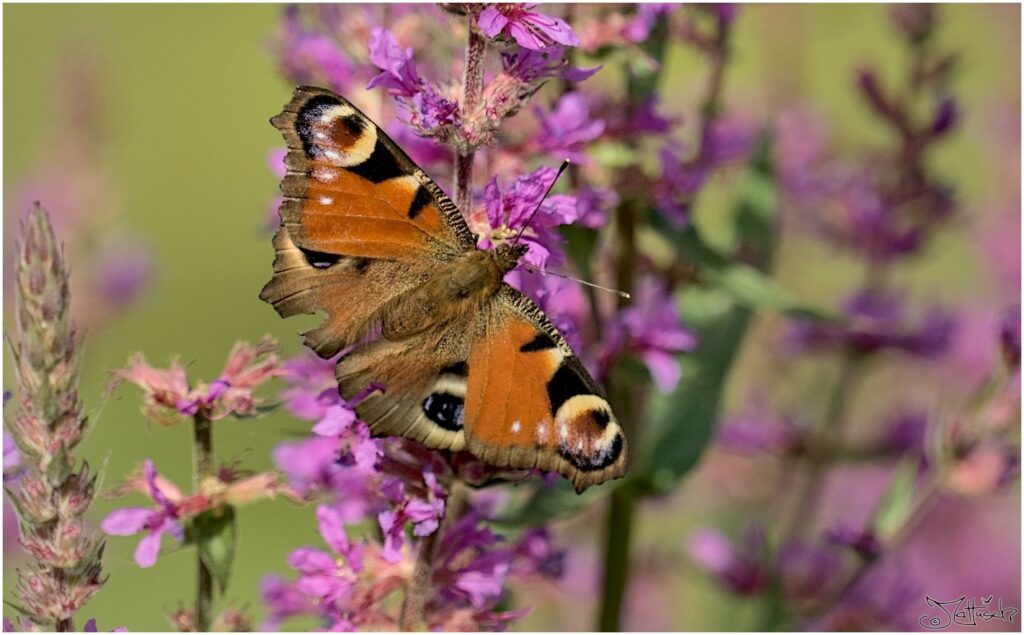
x=466, y=361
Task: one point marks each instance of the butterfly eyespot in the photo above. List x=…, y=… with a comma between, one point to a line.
x=319, y=259
x=444, y=409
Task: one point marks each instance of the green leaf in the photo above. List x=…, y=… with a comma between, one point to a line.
x=580, y=243
x=215, y=532
x=720, y=313
x=745, y=284
x=896, y=504
x=558, y=499
x=683, y=423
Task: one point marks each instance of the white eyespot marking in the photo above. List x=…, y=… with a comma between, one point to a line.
x=515, y=427
x=542, y=431
x=579, y=446
x=324, y=175
x=327, y=115
x=359, y=151
x=326, y=200
x=563, y=431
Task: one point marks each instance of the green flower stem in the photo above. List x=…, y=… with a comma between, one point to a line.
x=619, y=524
x=202, y=467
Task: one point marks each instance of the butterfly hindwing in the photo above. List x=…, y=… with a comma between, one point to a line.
x=530, y=403
x=423, y=387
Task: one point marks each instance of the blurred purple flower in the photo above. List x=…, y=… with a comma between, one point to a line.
x=592, y=204
x=740, y=570
x=283, y=600
x=398, y=71
x=1009, y=337
x=651, y=329
x=533, y=554
x=90, y=627
x=310, y=57
x=122, y=271
x=758, y=431
x=567, y=128
x=808, y=572
x=531, y=30
x=12, y=457
x=875, y=322
x=864, y=542
x=132, y=520
x=639, y=27
x=907, y=433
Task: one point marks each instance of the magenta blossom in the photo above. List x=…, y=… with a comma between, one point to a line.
x=132, y=520
x=531, y=30
x=424, y=514
x=398, y=70
x=740, y=569
x=567, y=129
x=168, y=396
x=511, y=210
x=651, y=329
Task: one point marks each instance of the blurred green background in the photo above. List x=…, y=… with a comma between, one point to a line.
x=186, y=92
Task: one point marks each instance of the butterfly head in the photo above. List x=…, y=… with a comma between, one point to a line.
x=507, y=255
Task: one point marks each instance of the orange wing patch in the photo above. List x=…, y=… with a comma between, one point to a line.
x=350, y=191
x=530, y=404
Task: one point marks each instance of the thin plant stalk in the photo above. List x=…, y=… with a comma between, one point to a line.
x=202, y=468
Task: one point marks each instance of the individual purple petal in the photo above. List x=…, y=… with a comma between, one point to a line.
x=308, y=560
x=336, y=419
x=491, y=21
x=90, y=626
x=173, y=527
x=664, y=368
x=127, y=521
x=148, y=549
x=149, y=470
x=482, y=585
x=332, y=529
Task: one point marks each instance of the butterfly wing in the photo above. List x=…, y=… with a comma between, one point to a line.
x=508, y=389
x=360, y=222
x=530, y=403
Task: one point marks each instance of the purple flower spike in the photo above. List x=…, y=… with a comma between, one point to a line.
x=531, y=30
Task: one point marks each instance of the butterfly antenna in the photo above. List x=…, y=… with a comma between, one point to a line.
x=621, y=294
x=565, y=164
